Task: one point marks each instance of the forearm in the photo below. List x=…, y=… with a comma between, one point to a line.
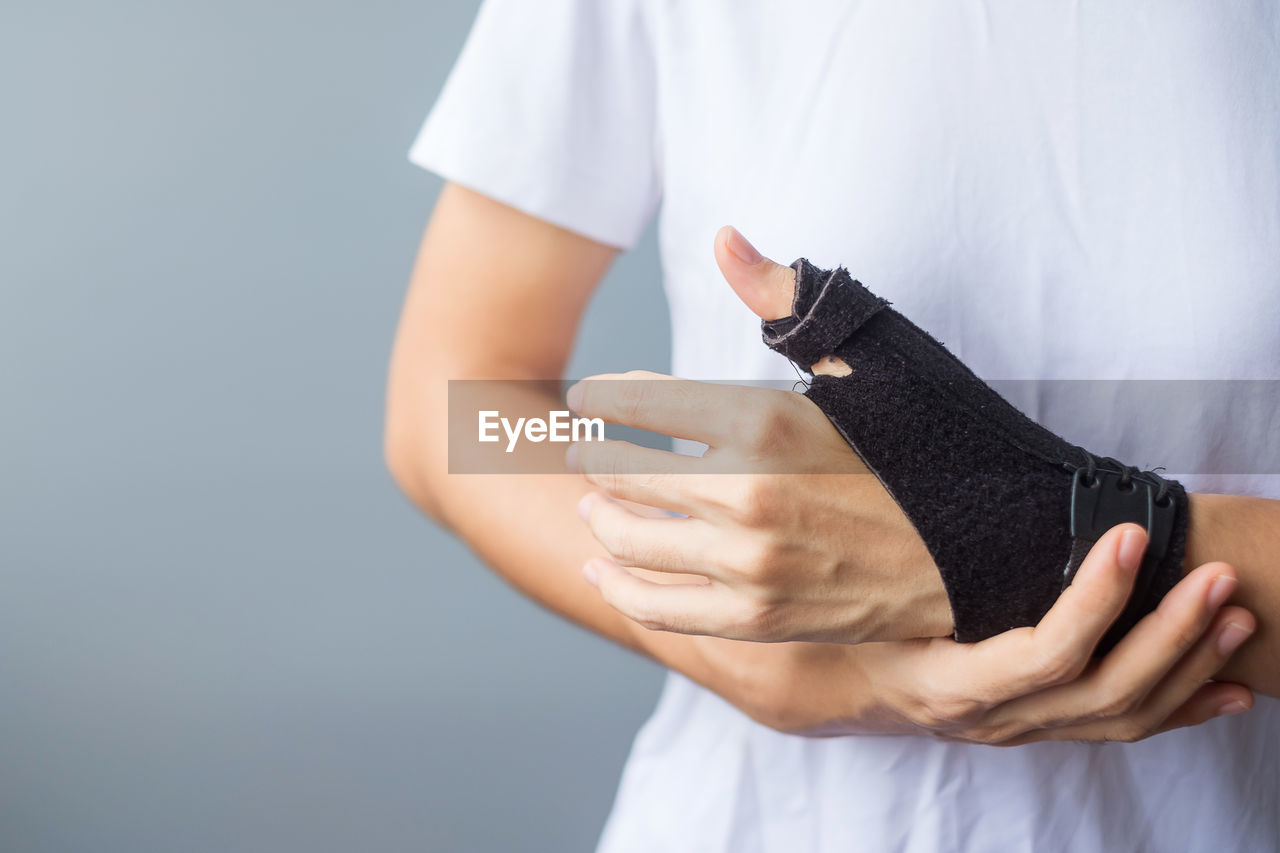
x=1245, y=532
x=523, y=525
x=526, y=528
x=514, y=317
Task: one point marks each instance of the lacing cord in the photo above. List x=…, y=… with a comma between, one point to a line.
x=1128, y=473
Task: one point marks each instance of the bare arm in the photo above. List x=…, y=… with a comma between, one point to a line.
x=476, y=313
x=498, y=294
x=842, y=563
x=1245, y=532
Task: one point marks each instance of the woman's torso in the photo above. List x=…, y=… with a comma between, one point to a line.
x=1055, y=190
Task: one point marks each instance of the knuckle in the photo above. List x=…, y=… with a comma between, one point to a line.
x=764, y=560
x=650, y=623
x=1057, y=667
x=589, y=456
x=620, y=544
x=656, y=483
x=757, y=501
x=1129, y=731
x=750, y=559
x=924, y=716
x=760, y=621
x=616, y=463
x=647, y=617
x=631, y=396
x=916, y=711
x=765, y=426
x=990, y=735
x=1116, y=704
x=942, y=712
x=641, y=613
x=1007, y=735
x=953, y=708
x=748, y=429
x=599, y=463
x=1185, y=635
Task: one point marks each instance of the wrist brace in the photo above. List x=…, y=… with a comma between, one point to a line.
x=1007, y=509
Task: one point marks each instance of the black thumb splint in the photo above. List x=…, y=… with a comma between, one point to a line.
x=1007, y=509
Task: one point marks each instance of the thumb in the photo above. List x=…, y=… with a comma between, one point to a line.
x=766, y=287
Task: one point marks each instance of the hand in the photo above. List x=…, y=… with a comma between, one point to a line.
x=787, y=535
x=1029, y=684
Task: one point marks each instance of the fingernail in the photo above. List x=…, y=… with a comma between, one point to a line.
x=1232, y=708
x=584, y=506
x=573, y=397
x=742, y=248
x=1129, y=554
x=571, y=458
x=1231, y=638
x=1223, y=586
x=589, y=572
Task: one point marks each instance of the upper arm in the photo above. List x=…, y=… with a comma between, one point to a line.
x=495, y=294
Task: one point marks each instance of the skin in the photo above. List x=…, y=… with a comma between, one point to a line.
x=514, y=317
x=793, y=538
x=827, y=558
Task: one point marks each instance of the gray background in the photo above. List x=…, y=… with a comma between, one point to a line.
x=221, y=627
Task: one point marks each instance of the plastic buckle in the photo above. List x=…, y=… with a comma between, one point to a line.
x=1100, y=506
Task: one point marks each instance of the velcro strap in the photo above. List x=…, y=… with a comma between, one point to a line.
x=827, y=309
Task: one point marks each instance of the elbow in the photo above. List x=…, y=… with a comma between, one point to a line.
x=399, y=463
x=403, y=454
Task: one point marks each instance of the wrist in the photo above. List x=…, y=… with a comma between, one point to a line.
x=1202, y=524
x=931, y=615
x=921, y=607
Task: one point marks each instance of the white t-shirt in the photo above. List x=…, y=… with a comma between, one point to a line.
x=1056, y=190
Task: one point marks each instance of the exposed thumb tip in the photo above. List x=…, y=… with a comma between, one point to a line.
x=740, y=247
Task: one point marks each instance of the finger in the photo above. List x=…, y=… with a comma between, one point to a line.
x=1157, y=648
x=1020, y=662
x=684, y=608
x=1215, y=699
x=1096, y=597
x=709, y=412
x=641, y=474
x=660, y=544
x=767, y=288
x=1205, y=702
x=1228, y=631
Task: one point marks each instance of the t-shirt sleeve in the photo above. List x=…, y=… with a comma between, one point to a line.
x=550, y=108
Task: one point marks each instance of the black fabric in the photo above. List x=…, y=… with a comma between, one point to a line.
x=988, y=489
